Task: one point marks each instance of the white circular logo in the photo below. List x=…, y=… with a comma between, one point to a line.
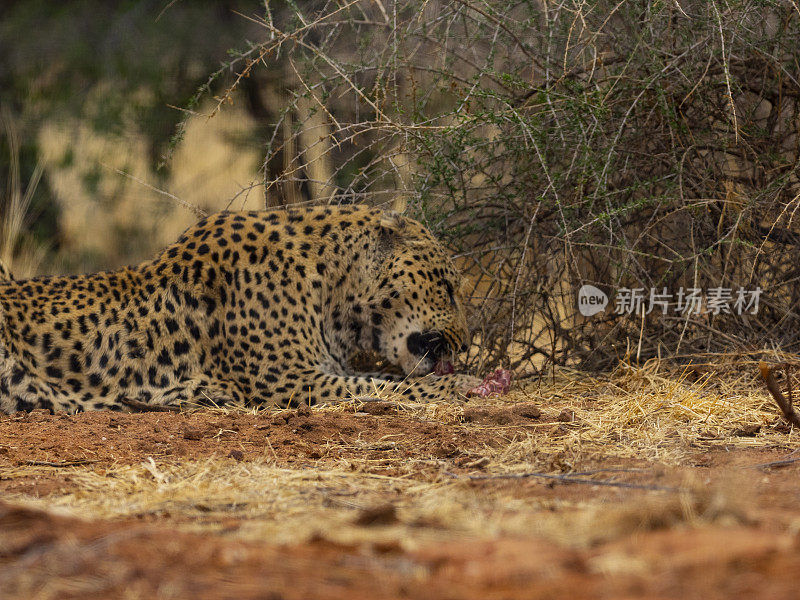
x=591, y=300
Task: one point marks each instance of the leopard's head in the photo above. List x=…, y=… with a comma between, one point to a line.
x=416, y=306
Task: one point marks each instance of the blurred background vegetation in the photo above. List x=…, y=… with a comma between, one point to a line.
x=648, y=144
x=90, y=88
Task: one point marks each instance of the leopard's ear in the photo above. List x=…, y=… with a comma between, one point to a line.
x=400, y=203
x=391, y=230
x=392, y=221
x=463, y=284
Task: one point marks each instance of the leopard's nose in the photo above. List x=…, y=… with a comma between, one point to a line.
x=427, y=343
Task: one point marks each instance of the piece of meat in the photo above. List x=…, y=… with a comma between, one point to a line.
x=494, y=383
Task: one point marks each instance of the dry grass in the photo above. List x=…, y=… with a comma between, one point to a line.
x=650, y=419
x=19, y=254
x=656, y=413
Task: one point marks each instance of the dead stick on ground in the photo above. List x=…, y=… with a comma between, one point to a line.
x=775, y=464
x=785, y=404
x=568, y=479
x=527, y=375
x=66, y=463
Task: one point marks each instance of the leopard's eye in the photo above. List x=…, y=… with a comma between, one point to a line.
x=450, y=293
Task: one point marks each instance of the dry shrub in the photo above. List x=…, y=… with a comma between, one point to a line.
x=622, y=144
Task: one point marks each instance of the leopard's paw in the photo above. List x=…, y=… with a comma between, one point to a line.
x=462, y=384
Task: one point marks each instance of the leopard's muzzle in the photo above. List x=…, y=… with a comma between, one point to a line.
x=429, y=344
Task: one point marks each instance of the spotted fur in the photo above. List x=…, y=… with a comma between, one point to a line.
x=257, y=308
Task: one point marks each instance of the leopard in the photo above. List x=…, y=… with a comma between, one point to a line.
x=248, y=308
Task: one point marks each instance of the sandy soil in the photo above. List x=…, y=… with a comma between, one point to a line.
x=630, y=528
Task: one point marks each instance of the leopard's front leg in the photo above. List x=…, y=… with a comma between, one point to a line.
x=314, y=386
x=433, y=388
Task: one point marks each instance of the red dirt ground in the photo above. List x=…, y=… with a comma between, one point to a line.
x=43, y=555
